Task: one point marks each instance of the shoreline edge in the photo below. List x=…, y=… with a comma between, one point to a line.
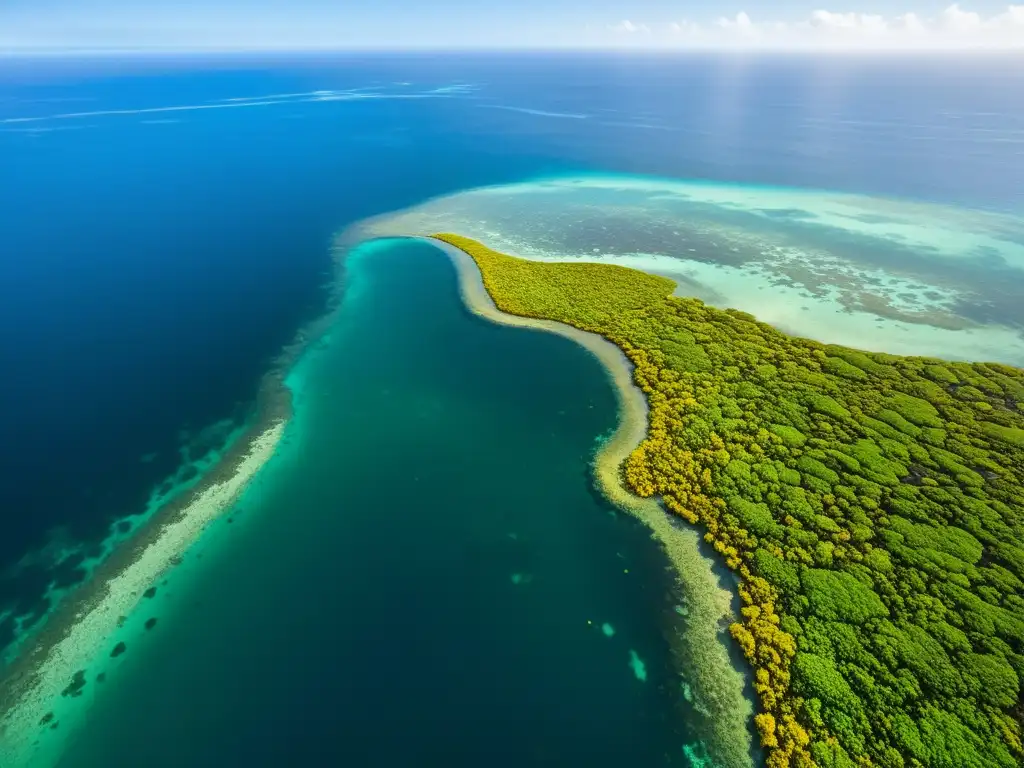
x=699, y=645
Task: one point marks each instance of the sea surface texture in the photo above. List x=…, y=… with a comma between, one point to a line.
x=419, y=570
x=420, y=575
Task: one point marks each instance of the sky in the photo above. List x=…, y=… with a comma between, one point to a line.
x=214, y=25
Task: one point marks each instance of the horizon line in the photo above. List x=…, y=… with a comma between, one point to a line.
x=28, y=52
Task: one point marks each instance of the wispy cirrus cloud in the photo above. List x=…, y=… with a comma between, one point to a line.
x=952, y=29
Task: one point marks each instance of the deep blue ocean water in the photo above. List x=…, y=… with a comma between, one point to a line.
x=165, y=223
x=421, y=576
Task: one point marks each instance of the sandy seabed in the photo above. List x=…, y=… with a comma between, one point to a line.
x=716, y=680
x=38, y=689
x=875, y=273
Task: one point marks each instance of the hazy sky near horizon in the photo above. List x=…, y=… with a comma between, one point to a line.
x=27, y=25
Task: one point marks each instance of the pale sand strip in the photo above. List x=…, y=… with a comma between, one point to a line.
x=717, y=682
x=88, y=637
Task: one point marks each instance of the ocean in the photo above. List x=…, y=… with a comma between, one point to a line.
x=168, y=225
x=419, y=576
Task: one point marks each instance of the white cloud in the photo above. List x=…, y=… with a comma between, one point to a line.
x=741, y=21
x=956, y=20
x=629, y=27
x=827, y=20
x=952, y=29
x=911, y=24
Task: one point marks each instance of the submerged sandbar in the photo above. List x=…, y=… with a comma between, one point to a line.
x=35, y=686
x=79, y=631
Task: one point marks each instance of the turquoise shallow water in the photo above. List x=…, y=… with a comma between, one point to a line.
x=421, y=576
x=125, y=369
x=868, y=271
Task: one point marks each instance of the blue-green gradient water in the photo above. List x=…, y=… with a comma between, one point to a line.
x=421, y=576
x=166, y=221
x=410, y=580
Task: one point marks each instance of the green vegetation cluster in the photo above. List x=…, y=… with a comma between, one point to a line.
x=872, y=506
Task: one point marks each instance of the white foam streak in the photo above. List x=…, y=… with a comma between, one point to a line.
x=273, y=96
x=537, y=112
x=238, y=102
x=143, y=111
